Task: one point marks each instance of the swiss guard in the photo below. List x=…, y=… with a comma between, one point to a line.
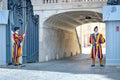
x=17, y=48
x=96, y=39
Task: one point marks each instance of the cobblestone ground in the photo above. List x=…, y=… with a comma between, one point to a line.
x=75, y=68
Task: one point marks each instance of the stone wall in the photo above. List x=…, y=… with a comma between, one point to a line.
x=3, y=4
x=60, y=5
x=57, y=44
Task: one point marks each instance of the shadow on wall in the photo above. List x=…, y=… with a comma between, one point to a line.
x=58, y=43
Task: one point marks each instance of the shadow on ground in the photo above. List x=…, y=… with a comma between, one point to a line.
x=80, y=64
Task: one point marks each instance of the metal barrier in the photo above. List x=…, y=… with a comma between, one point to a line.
x=21, y=13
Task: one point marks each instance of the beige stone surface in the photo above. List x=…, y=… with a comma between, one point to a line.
x=69, y=5
x=58, y=43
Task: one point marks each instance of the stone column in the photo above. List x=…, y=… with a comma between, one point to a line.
x=3, y=23
x=112, y=20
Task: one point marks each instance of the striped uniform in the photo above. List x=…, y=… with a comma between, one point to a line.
x=96, y=40
x=17, y=48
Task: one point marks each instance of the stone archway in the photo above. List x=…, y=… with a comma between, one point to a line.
x=59, y=38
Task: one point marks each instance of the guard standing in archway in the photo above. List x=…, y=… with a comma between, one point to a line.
x=96, y=39
x=17, y=48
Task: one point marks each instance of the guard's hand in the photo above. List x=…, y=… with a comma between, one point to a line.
x=24, y=35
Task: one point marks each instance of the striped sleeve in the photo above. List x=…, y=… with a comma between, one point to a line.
x=91, y=41
x=102, y=39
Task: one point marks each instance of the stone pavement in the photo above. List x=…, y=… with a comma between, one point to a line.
x=74, y=68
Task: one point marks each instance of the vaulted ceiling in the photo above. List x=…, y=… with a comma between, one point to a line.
x=70, y=20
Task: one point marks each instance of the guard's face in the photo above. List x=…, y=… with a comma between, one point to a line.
x=17, y=30
x=96, y=30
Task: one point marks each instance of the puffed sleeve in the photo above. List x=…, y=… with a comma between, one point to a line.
x=102, y=39
x=91, y=40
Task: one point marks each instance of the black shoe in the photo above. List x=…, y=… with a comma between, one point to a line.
x=20, y=64
x=92, y=65
x=101, y=65
x=9, y=63
x=16, y=65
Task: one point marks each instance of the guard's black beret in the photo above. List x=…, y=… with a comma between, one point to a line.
x=16, y=28
x=95, y=27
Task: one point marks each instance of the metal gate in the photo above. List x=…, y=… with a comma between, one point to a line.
x=21, y=13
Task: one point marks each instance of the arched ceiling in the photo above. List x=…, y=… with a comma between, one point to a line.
x=70, y=20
